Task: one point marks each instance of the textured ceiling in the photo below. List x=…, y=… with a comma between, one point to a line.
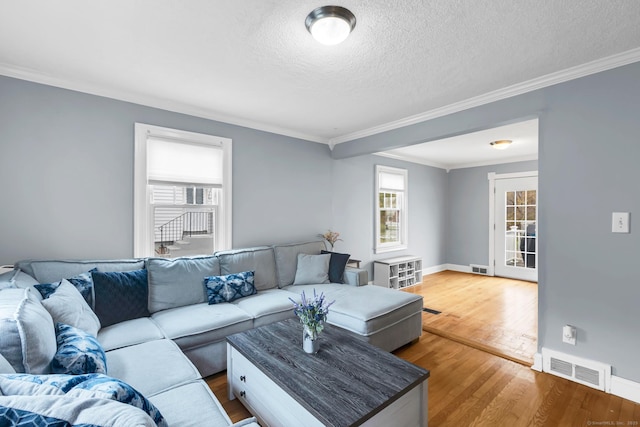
x=252, y=62
x=474, y=149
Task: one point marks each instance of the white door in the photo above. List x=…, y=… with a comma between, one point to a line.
x=515, y=229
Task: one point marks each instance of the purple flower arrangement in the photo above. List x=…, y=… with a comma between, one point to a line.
x=312, y=312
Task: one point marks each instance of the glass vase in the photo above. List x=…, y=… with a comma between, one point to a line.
x=310, y=341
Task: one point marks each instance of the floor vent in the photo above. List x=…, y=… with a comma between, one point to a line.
x=479, y=269
x=587, y=372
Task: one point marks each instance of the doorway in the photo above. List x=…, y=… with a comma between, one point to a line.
x=513, y=235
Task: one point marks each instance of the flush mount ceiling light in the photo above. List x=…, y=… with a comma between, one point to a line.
x=501, y=144
x=330, y=25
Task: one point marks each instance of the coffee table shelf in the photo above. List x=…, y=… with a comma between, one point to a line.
x=347, y=383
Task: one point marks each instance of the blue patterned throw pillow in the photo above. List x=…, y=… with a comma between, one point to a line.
x=78, y=352
x=230, y=287
x=83, y=283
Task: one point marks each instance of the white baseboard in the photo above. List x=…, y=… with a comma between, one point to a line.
x=617, y=386
x=435, y=269
x=537, y=362
x=459, y=268
x=625, y=388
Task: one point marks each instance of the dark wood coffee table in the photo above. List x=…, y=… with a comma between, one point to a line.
x=347, y=383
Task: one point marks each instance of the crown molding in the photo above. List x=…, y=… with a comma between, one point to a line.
x=449, y=167
x=562, y=76
x=583, y=70
x=148, y=101
x=411, y=159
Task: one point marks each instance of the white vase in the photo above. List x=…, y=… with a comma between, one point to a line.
x=310, y=341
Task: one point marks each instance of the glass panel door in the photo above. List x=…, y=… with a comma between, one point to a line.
x=516, y=236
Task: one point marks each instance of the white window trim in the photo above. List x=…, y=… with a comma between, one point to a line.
x=143, y=235
x=390, y=247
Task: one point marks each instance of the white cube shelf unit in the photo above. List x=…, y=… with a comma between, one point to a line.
x=398, y=272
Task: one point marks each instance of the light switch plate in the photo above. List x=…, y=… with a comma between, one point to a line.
x=620, y=222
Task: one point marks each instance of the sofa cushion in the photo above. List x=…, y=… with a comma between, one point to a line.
x=230, y=287
x=27, y=335
x=287, y=258
x=16, y=279
x=178, y=282
x=48, y=271
x=78, y=352
x=201, y=324
x=120, y=296
x=66, y=305
x=201, y=408
x=268, y=306
x=151, y=367
x=312, y=269
x=383, y=307
x=337, y=265
x=259, y=260
x=129, y=332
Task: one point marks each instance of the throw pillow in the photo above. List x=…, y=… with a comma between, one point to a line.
x=26, y=332
x=312, y=269
x=337, y=264
x=120, y=296
x=230, y=287
x=78, y=352
x=66, y=305
x=83, y=283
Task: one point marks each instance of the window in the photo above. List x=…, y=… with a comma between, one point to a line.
x=182, y=192
x=391, y=209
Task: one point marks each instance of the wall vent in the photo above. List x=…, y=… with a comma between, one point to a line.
x=479, y=269
x=583, y=371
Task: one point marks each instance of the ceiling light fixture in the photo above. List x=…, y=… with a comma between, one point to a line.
x=501, y=144
x=330, y=25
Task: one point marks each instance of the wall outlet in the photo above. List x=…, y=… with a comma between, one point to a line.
x=620, y=222
x=569, y=334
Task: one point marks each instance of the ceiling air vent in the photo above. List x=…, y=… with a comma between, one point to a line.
x=587, y=372
x=479, y=269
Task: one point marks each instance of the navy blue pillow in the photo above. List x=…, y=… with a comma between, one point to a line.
x=120, y=296
x=337, y=264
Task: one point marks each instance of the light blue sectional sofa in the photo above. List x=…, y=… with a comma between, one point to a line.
x=148, y=351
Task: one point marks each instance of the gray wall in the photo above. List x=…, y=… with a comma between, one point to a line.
x=66, y=167
x=354, y=206
x=588, y=168
x=468, y=221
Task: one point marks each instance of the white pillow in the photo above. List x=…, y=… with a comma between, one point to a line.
x=28, y=336
x=312, y=269
x=66, y=305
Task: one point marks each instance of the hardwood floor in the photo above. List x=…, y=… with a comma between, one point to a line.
x=472, y=387
x=490, y=313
